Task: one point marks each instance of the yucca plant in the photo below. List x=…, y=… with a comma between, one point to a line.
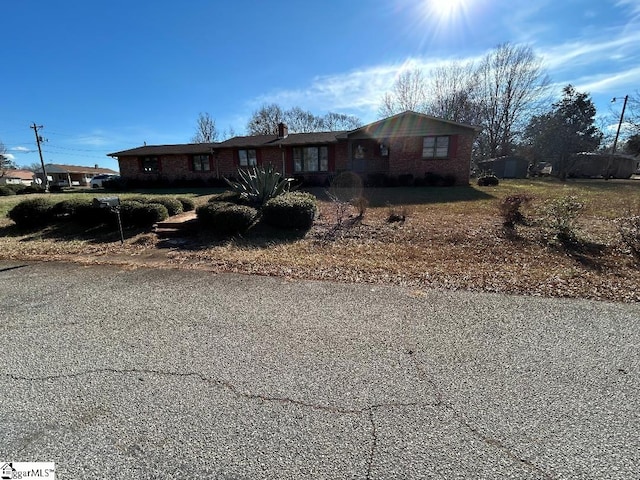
x=259, y=184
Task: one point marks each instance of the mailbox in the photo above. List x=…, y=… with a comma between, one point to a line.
x=106, y=202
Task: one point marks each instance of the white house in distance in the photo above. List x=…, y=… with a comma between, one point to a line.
x=71, y=175
x=17, y=177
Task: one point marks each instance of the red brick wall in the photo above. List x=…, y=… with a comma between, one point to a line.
x=405, y=156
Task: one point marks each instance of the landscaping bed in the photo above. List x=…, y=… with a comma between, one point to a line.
x=442, y=238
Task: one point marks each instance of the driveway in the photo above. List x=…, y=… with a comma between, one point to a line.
x=114, y=373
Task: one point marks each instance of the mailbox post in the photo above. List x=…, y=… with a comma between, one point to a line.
x=113, y=204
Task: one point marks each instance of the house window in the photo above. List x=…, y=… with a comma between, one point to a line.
x=435, y=147
x=311, y=159
x=201, y=163
x=150, y=165
x=247, y=158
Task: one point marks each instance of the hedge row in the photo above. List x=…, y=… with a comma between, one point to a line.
x=140, y=212
x=19, y=189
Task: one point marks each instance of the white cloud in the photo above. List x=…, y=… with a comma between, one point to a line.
x=22, y=149
x=608, y=82
x=356, y=92
x=10, y=157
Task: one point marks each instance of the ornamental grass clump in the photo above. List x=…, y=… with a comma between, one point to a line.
x=259, y=184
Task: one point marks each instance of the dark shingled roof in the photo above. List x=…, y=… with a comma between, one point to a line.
x=189, y=148
x=253, y=141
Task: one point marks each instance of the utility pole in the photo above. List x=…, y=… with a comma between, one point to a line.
x=38, y=140
x=615, y=142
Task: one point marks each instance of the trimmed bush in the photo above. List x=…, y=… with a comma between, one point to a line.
x=229, y=197
x=290, y=210
x=226, y=218
x=187, y=204
x=31, y=213
x=173, y=205
x=17, y=187
x=6, y=191
x=448, y=180
x=142, y=215
x=55, y=189
x=149, y=213
x=31, y=189
x=82, y=212
x=432, y=179
x=488, y=181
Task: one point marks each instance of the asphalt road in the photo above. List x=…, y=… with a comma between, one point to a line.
x=115, y=373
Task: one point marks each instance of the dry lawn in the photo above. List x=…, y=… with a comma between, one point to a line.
x=451, y=238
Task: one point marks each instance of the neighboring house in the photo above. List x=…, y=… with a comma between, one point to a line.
x=407, y=143
x=17, y=177
x=71, y=175
x=506, y=167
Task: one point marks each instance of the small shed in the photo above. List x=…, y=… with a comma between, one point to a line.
x=506, y=167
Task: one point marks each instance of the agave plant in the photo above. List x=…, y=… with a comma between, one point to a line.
x=260, y=184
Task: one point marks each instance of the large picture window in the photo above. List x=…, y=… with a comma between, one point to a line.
x=150, y=164
x=248, y=158
x=201, y=163
x=435, y=147
x=311, y=159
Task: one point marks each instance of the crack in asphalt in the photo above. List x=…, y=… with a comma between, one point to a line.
x=492, y=442
x=369, y=410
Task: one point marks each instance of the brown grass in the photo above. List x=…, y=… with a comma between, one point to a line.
x=451, y=238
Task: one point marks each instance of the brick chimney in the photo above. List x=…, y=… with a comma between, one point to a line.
x=283, y=131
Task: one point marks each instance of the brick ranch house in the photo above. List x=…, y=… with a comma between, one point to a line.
x=407, y=143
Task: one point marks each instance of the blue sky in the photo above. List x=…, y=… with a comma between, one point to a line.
x=103, y=76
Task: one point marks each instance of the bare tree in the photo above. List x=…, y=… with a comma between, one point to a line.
x=511, y=82
x=6, y=163
x=301, y=121
x=408, y=93
x=206, y=131
x=339, y=121
x=453, y=93
x=265, y=120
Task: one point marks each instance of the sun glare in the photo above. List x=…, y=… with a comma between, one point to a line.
x=447, y=9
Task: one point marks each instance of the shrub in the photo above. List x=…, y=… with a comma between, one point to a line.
x=173, y=205
x=187, y=204
x=629, y=229
x=17, y=187
x=560, y=215
x=405, y=180
x=34, y=212
x=5, y=191
x=226, y=218
x=32, y=189
x=149, y=213
x=510, y=209
x=82, y=212
x=259, y=184
x=229, y=197
x=291, y=210
x=432, y=179
x=448, y=180
x=361, y=204
x=488, y=180
x=138, y=214
x=55, y=189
